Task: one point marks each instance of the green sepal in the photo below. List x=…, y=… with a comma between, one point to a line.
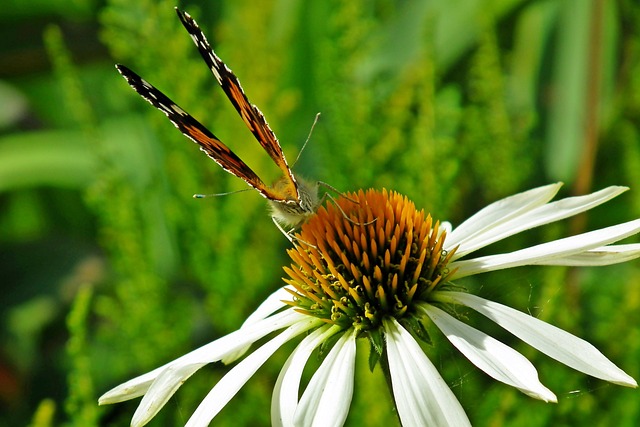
x=327, y=345
x=417, y=327
x=377, y=347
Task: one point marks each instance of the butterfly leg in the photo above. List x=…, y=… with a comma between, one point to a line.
x=344, y=214
x=289, y=234
x=335, y=190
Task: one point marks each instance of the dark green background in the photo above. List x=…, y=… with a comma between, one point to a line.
x=109, y=268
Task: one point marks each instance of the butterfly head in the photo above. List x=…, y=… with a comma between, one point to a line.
x=297, y=208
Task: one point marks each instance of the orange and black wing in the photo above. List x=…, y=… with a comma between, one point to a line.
x=251, y=115
x=195, y=131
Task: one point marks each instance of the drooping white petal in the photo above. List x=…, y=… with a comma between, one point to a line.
x=327, y=398
x=490, y=355
x=286, y=390
x=212, y=352
x=131, y=389
x=546, y=252
x=605, y=255
x=269, y=306
x=231, y=383
x=511, y=207
x=163, y=387
x=550, y=340
x=421, y=395
x=541, y=215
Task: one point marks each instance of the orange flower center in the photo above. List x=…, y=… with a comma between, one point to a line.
x=370, y=255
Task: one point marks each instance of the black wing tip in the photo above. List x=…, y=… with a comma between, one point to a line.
x=129, y=75
x=123, y=69
x=185, y=18
x=189, y=23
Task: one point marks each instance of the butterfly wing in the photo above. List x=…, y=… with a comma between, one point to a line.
x=251, y=115
x=195, y=131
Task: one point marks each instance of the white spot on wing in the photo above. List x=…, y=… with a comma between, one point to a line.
x=179, y=110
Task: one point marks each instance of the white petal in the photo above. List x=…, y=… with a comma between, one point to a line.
x=269, y=306
x=421, y=395
x=327, y=398
x=222, y=347
x=550, y=340
x=545, y=214
x=286, y=390
x=605, y=255
x=231, y=383
x=502, y=210
x=167, y=383
x=546, y=252
x=495, y=358
x=446, y=227
x=212, y=352
x=131, y=389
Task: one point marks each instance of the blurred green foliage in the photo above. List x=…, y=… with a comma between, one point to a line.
x=109, y=267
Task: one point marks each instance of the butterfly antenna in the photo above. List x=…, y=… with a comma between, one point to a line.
x=308, y=138
x=204, y=196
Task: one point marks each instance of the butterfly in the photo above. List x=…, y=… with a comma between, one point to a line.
x=292, y=199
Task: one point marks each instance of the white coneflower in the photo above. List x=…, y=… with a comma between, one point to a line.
x=380, y=274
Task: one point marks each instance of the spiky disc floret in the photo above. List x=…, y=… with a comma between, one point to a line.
x=369, y=256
